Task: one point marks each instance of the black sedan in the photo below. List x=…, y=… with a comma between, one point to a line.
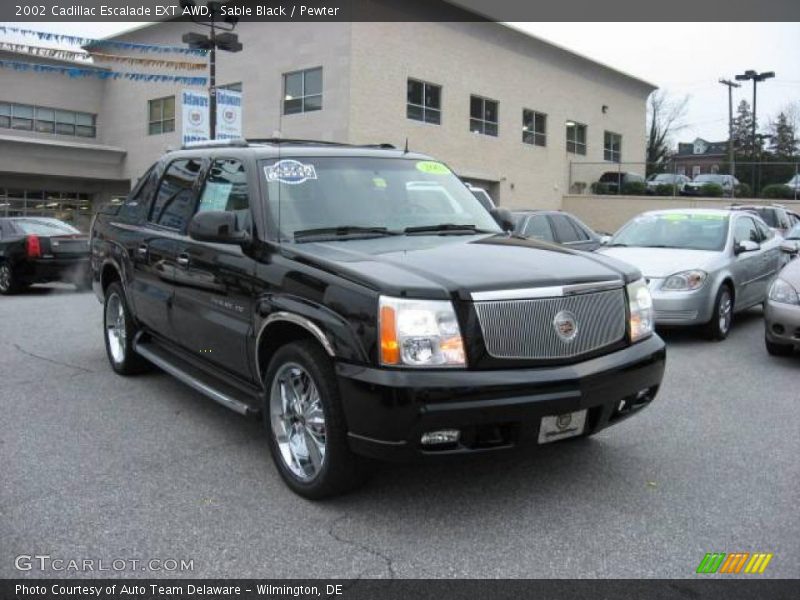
x=556, y=226
x=40, y=250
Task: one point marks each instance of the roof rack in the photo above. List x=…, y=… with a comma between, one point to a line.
x=245, y=143
x=235, y=142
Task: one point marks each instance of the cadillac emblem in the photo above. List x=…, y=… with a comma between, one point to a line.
x=566, y=325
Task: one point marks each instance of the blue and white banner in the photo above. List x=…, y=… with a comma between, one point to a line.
x=194, y=116
x=229, y=114
x=100, y=73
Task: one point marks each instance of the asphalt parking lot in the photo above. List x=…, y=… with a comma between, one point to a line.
x=100, y=467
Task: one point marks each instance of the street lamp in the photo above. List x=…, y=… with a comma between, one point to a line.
x=756, y=77
x=213, y=19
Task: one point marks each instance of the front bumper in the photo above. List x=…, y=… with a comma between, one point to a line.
x=782, y=323
x=387, y=411
x=682, y=308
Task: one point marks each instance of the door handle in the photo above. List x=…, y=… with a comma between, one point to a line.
x=183, y=260
x=142, y=250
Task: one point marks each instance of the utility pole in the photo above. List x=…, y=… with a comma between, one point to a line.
x=731, y=154
x=756, y=77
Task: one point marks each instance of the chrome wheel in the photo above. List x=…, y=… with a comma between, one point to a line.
x=298, y=421
x=5, y=278
x=115, y=328
x=725, y=311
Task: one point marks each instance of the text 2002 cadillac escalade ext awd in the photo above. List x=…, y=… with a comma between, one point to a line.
x=365, y=303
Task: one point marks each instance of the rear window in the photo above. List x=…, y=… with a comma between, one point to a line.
x=770, y=216
x=45, y=227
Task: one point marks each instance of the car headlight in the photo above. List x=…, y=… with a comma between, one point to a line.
x=685, y=281
x=783, y=292
x=419, y=333
x=641, y=310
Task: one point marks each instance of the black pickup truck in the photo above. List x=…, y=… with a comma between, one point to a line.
x=367, y=306
x=40, y=250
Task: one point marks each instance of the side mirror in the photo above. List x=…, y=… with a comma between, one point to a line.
x=746, y=246
x=217, y=226
x=504, y=218
x=790, y=246
x=604, y=239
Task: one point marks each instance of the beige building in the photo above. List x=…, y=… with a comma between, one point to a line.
x=505, y=110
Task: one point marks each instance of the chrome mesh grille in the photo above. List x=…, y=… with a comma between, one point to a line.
x=524, y=329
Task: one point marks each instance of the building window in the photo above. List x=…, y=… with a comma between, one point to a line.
x=162, y=115
x=424, y=102
x=47, y=120
x=612, y=147
x=534, y=127
x=576, y=138
x=302, y=91
x=483, y=115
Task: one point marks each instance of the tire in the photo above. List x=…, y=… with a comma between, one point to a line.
x=306, y=426
x=719, y=326
x=119, y=329
x=8, y=283
x=776, y=349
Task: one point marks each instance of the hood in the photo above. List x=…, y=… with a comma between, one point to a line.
x=438, y=266
x=657, y=263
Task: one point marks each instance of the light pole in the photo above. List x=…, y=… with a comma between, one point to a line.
x=756, y=77
x=228, y=41
x=731, y=155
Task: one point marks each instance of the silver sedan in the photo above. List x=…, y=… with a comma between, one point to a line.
x=702, y=265
x=782, y=311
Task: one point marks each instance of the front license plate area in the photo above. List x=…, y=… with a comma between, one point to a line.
x=559, y=427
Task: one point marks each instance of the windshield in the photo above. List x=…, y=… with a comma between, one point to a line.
x=710, y=178
x=794, y=233
x=689, y=231
x=45, y=227
x=664, y=178
x=368, y=196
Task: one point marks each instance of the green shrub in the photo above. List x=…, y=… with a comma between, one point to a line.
x=665, y=189
x=598, y=187
x=634, y=188
x=712, y=190
x=777, y=191
x=743, y=191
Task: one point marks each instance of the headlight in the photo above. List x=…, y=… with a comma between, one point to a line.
x=783, y=292
x=419, y=333
x=686, y=281
x=641, y=310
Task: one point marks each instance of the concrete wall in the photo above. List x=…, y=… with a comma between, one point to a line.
x=270, y=50
x=609, y=213
x=494, y=61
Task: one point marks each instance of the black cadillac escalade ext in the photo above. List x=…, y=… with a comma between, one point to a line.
x=365, y=303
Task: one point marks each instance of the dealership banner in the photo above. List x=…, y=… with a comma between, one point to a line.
x=229, y=114
x=194, y=116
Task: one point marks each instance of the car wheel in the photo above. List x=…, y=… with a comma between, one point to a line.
x=776, y=349
x=8, y=283
x=720, y=324
x=305, y=423
x=119, y=330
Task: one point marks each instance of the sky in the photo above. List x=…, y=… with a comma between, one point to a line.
x=686, y=59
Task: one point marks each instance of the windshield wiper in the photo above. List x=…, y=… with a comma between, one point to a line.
x=342, y=231
x=617, y=245
x=446, y=228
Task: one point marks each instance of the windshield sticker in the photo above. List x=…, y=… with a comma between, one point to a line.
x=290, y=171
x=432, y=167
x=379, y=182
x=675, y=217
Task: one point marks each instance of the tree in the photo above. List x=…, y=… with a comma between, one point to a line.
x=665, y=117
x=783, y=143
x=743, y=133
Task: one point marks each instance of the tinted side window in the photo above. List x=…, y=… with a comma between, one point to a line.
x=174, y=201
x=565, y=231
x=538, y=227
x=138, y=201
x=764, y=231
x=745, y=231
x=226, y=189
